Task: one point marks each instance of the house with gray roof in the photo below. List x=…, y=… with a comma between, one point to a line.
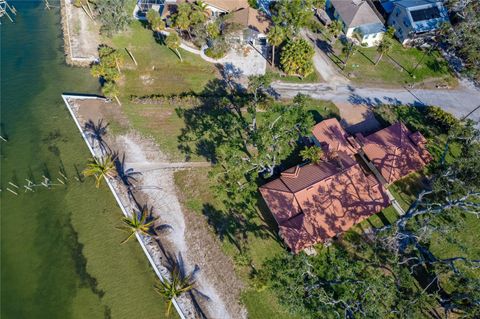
x=360, y=20
x=414, y=19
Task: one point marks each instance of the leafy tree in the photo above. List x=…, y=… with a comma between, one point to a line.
x=103, y=167
x=441, y=118
x=275, y=36
x=213, y=30
x=173, y=43
x=138, y=222
x=349, y=49
x=384, y=47
x=188, y=15
x=313, y=154
x=182, y=19
x=334, y=29
x=386, y=44
x=155, y=20
x=113, y=14
x=108, y=68
x=462, y=37
x=175, y=287
x=296, y=58
x=110, y=89
x=292, y=15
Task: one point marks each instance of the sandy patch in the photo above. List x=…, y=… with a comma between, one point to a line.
x=82, y=34
x=189, y=238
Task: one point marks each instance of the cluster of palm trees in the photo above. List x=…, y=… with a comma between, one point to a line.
x=139, y=222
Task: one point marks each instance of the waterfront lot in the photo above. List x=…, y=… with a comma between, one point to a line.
x=159, y=70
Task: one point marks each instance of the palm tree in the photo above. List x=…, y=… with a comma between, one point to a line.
x=137, y=223
x=155, y=21
x=173, y=43
x=174, y=288
x=349, y=50
x=275, y=36
x=102, y=167
x=313, y=154
x=110, y=89
x=384, y=47
x=334, y=30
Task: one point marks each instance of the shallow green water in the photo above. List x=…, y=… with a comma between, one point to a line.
x=60, y=256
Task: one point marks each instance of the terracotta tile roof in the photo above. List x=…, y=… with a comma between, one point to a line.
x=395, y=151
x=332, y=137
x=312, y=203
x=330, y=205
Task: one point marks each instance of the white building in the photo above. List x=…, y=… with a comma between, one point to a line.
x=360, y=21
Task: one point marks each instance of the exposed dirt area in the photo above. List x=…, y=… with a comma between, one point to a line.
x=81, y=33
x=184, y=238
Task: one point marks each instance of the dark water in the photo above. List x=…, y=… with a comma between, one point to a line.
x=60, y=256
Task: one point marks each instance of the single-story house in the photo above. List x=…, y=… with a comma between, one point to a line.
x=413, y=19
x=314, y=202
x=395, y=151
x=360, y=20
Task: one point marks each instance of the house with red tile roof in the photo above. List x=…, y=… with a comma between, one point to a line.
x=396, y=151
x=314, y=202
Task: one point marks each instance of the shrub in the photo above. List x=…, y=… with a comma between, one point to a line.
x=216, y=52
x=441, y=118
x=296, y=58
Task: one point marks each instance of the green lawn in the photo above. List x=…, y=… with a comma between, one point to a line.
x=160, y=122
x=159, y=70
x=395, y=67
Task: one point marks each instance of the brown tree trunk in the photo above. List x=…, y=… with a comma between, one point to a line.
x=273, y=55
x=379, y=58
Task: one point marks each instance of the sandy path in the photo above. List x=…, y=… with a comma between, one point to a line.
x=189, y=237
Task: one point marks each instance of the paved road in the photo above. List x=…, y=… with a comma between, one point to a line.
x=459, y=101
x=322, y=63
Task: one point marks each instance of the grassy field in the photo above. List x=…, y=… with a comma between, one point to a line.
x=396, y=67
x=159, y=70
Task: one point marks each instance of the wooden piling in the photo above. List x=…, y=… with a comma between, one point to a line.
x=8, y=189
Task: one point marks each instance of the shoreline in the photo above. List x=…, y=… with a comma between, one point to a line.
x=188, y=244
x=160, y=270
x=70, y=58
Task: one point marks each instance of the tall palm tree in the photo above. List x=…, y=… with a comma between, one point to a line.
x=275, y=37
x=138, y=223
x=384, y=47
x=174, y=288
x=102, y=167
x=173, y=43
x=349, y=50
x=334, y=30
